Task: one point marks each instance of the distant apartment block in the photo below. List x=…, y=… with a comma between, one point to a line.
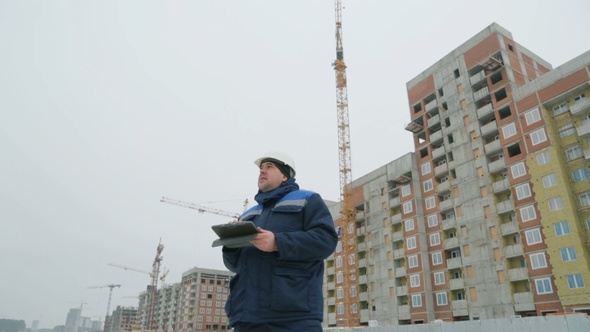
x=489, y=215
x=124, y=319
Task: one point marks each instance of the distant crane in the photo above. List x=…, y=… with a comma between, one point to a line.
x=151, y=321
x=111, y=286
x=203, y=209
x=348, y=212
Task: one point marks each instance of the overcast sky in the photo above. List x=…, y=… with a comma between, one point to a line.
x=106, y=106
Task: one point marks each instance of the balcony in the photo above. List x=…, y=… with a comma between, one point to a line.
x=509, y=228
x=489, y=128
x=485, y=110
x=363, y=296
x=403, y=311
x=436, y=153
x=396, y=218
x=492, y=147
x=400, y=272
x=501, y=186
x=362, y=262
x=436, y=136
x=361, y=246
x=505, y=206
x=332, y=318
x=441, y=170
x=583, y=130
x=523, y=301
x=513, y=250
x=433, y=120
x=431, y=105
x=331, y=301
x=521, y=273
x=457, y=284
x=580, y=107
x=451, y=243
x=497, y=165
x=477, y=95
x=362, y=279
x=443, y=187
x=398, y=236
x=330, y=285
x=399, y=253
x=477, y=77
x=401, y=290
x=459, y=308
x=453, y=263
x=330, y=271
x=364, y=315
x=445, y=205
x=449, y=223
x=394, y=202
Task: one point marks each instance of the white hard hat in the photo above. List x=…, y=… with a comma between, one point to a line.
x=280, y=157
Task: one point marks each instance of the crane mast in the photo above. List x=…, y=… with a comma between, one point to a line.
x=151, y=321
x=348, y=237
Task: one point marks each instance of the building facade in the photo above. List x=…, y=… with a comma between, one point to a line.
x=489, y=216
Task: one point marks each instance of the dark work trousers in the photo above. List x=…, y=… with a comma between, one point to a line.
x=299, y=326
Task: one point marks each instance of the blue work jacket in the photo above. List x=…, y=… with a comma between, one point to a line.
x=285, y=285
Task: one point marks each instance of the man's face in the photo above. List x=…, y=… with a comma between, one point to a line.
x=270, y=177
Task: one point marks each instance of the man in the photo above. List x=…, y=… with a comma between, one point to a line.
x=278, y=281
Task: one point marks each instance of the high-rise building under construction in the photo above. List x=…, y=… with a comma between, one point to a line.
x=489, y=215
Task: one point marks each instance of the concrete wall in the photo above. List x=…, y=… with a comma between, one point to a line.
x=568, y=323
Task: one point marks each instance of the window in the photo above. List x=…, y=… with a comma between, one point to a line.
x=432, y=220
x=414, y=280
x=518, y=170
x=430, y=202
x=560, y=109
x=413, y=261
x=580, y=98
x=428, y=185
x=562, y=228
x=543, y=286
x=532, y=116
x=411, y=242
x=538, y=260
x=436, y=258
x=409, y=224
x=538, y=136
x=528, y=213
x=509, y=130
x=439, y=278
x=406, y=190
x=408, y=207
x=416, y=300
x=575, y=280
x=533, y=236
x=523, y=191
x=580, y=174
x=339, y=277
x=555, y=203
x=340, y=308
x=568, y=254
x=353, y=290
x=441, y=298
x=567, y=130
x=339, y=261
x=543, y=158
x=425, y=168
x=339, y=293
x=434, y=239
x=584, y=199
x=573, y=152
x=549, y=180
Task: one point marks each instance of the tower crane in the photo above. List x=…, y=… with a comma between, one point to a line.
x=203, y=209
x=106, y=319
x=350, y=317
x=151, y=321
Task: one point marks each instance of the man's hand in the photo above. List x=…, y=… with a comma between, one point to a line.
x=265, y=241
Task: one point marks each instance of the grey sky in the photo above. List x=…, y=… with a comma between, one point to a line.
x=105, y=106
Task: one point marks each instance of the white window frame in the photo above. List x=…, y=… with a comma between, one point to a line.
x=538, y=260
x=559, y=109
x=432, y=220
x=518, y=170
x=543, y=286
x=409, y=224
x=532, y=116
x=555, y=203
x=408, y=207
x=434, y=239
x=437, y=258
x=429, y=202
x=562, y=228
x=580, y=174
x=543, y=158
x=411, y=242
x=523, y=191
x=414, y=280
x=573, y=152
x=567, y=130
x=441, y=299
x=528, y=213
x=427, y=185
x=584, y=198
x=416, y=300
x=533, y=236
x=538, y=136
x=406, y=190
x=439, y=278
x=549, y=180
x=425, y=168
x=508, y=130
x=413, y=261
